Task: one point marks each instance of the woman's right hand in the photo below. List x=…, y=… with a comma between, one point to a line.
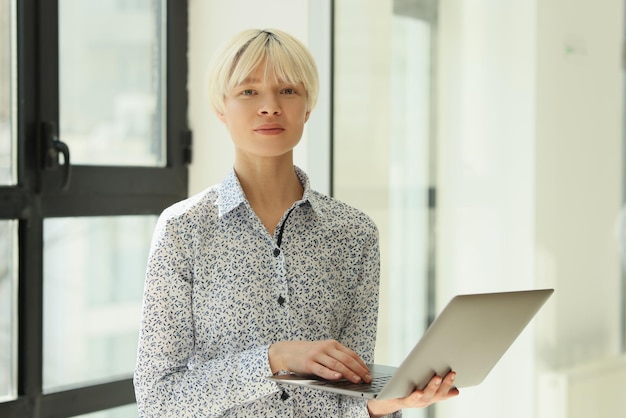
x=327, y=359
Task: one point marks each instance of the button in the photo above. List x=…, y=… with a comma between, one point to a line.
x=281, y=300
x=276, y=252
x=284, y=396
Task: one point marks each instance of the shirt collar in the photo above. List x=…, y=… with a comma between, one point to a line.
x=231, y=194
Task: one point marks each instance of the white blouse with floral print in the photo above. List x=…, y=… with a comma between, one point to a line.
x=220, y=289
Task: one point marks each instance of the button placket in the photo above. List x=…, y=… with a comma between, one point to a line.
x=281, y=273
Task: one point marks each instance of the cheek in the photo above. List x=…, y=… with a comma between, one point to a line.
x=233, y=115
x=234, y=107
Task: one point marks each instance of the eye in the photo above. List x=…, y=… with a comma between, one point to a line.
x=289, y=90
x=247, y=92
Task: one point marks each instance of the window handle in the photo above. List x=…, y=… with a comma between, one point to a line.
x=51, y=148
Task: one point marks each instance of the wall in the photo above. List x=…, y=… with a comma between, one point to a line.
x=530, y=168
x=485, y=178
x=578, y=171
x=579, y=160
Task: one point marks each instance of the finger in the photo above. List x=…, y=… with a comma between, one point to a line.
x=355, y=368
x=443, y=387
x=437, y=389
x=431, y=388
x=350, y=353
x=339, y=369
x=330, y=368
x=448, y=380
x=447, y=389
x=333, y=357
x=325, y=372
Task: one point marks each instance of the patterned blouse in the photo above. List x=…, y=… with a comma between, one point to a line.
x=220, y=289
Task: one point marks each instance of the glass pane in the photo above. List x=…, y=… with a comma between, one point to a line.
x=7, y=90
x=409, y=180
x=112, y=81
x=93, y=283
x=8, y=306
x=382, y=164
x=386, y=72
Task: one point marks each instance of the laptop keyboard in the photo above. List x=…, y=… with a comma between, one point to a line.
x=377, y=384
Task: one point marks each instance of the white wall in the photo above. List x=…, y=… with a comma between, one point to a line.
x=485, y=178
x=579, y=169
x=213, y=22
x=530, y=168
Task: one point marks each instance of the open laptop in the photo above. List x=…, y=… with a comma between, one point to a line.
x=469, y=336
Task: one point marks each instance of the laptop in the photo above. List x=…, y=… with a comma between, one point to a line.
x=469, y=336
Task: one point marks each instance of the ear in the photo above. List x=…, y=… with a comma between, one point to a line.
x=221, y=117
x=306, y=116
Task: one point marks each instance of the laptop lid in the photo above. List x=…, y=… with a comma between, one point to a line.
x=469, y=336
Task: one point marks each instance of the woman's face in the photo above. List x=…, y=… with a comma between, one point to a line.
x=265, y=117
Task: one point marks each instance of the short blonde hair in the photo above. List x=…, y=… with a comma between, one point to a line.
x=286, y=58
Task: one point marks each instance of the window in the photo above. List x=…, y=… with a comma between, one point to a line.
x=8, y=226
x=383, y=148
x=93, y=146
x=528, y=194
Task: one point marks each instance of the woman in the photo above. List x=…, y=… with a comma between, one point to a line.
x=260, y=274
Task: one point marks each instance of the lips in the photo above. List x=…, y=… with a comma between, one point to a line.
x=269, y=129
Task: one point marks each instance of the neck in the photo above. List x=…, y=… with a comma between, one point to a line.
x=270, y=186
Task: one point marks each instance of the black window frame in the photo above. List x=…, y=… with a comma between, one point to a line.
x=92, y=191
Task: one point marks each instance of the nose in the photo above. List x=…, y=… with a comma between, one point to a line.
x=270, y=106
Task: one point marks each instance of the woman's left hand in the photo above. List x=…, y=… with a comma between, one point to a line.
x=438, y=389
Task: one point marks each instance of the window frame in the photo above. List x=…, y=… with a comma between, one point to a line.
x=92, y=191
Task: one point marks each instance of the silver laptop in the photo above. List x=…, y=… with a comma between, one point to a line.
x=469, y=336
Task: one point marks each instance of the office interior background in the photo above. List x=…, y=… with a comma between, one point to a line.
x=484, y=137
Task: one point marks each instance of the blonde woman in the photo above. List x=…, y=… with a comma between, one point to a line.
x=260, y=274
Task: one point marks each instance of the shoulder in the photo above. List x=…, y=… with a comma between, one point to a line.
x=193, y=211
x=339, y=214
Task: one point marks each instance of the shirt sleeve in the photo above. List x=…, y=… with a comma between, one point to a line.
x=166, y=383
x=359, y=332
